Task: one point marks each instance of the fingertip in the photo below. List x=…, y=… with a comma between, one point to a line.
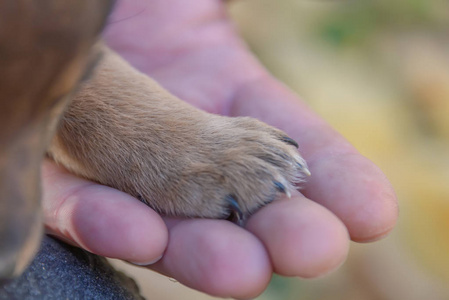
x=302, y=238
x=383, y=211
x=358, y=192
x=223, y=259
x=113, y=224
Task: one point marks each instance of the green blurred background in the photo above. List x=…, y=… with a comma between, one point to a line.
x=378, y=71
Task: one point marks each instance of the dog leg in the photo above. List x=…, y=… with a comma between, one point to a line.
x=125, y=131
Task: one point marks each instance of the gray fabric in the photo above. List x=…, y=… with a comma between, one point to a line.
x=60, y=271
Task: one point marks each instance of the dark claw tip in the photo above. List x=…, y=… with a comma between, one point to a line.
x=236, y=213
x=280, y=187
x=141, y=199
x=290, y=141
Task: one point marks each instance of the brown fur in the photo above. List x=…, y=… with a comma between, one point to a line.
x=45, y=46
x=121, y=128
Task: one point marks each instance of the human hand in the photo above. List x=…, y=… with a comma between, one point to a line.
x=191, y=48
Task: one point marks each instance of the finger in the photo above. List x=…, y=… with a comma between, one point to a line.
x=216, y=257
x=342, y=180
x=302, y=238
x=100, y=219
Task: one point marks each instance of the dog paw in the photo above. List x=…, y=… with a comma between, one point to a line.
x=125, y=131
x=241, y=165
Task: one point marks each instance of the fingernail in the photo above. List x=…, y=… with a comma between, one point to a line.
x=143, y=264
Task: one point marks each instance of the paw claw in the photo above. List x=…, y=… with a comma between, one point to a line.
x=304, y=168
x=237, y=215
x=290, y=141
x=281, y=188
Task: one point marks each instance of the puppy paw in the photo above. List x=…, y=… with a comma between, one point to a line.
x=242, y=165
x=125, y=131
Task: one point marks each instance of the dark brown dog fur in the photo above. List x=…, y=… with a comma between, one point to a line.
x=121, y=128
x=45, y=47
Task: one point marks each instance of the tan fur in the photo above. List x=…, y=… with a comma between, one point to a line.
x=123, y=130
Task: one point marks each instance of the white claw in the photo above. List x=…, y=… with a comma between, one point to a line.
x=303, y=165
x=306, y=171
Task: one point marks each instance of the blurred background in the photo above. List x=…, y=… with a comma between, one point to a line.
x=378, y=71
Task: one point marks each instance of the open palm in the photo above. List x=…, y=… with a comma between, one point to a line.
x=191, y=48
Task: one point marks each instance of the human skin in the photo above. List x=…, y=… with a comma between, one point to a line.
x=192, y=49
